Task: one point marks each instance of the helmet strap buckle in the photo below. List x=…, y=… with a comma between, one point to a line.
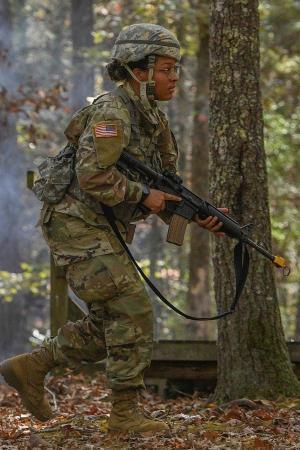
x=150, y=89
x=147, y=88
x=151, y=82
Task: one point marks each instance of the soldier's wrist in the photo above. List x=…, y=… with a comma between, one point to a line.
x=145, y=192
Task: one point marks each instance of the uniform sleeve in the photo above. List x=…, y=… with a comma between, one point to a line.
x=168, y=147
x=106, y=134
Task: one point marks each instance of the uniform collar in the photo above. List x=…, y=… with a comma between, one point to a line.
x=151, y=114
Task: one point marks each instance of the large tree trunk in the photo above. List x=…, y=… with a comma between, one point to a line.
x=82, y=23
x=252, y=356
x=198, y=290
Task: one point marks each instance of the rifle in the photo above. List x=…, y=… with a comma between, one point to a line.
x=183, y=212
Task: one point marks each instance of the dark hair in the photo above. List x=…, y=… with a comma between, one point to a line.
x=117, y=72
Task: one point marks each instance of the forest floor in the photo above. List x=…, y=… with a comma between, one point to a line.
x=83, y=404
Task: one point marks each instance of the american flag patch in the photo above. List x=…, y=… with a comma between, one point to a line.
x=106, y=130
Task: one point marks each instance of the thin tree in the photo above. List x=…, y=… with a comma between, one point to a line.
x=198, y=289
x=82, y=22
x=9, y=153
x=12, y=314
x=253, y=359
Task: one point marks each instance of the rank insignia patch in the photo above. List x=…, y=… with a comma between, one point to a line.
x=106, y=130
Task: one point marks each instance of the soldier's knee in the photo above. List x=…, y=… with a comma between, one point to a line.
x=91, y=280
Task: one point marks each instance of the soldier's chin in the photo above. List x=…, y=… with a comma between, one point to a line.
x=165, y=97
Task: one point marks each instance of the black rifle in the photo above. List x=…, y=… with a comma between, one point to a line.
x=181, y=214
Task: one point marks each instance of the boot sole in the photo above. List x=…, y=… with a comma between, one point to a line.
x=11, y=378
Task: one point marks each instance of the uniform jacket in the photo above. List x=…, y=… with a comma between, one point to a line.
x=101, y=132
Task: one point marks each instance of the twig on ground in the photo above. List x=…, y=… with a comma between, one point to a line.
x=53, y=397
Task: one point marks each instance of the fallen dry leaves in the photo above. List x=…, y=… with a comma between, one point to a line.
x=83, y=406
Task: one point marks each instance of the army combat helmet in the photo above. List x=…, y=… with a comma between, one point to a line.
x=140, y=40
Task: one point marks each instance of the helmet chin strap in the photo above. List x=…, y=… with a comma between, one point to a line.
x=147, y=88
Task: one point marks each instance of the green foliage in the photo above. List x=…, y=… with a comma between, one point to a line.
x=281, y=90
x=33, y=279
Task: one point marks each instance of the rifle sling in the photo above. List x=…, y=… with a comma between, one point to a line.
x=241, y=267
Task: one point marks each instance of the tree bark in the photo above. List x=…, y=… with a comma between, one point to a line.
x=10, y=156
x=199, y=300
x=59, y=12
x=82, y=23
x=13, y=314
x=156, y=254
x=252, y=356
x=297, y=330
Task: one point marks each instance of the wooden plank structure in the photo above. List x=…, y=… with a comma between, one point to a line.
x=192, y=365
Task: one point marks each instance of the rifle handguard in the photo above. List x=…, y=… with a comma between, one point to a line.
x=177, y=229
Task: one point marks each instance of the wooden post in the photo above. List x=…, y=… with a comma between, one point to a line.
x=59, y=300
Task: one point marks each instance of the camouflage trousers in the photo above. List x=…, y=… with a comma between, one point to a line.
x=119, y=325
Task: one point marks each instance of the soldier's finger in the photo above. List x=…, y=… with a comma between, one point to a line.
x=213, y=221
x=204, y=222
x=172, y=197
x=216, y=227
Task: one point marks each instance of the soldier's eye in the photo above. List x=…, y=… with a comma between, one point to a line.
x=175, y=70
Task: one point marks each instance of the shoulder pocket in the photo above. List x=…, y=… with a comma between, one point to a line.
x=108, y=136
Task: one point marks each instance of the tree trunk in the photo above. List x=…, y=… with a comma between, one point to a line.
x=12, y=238
x=82, y=23
x=198, y=290
x=10, y=156
x=252, y=356
x=297, y=330
x=59, y=12
x=156, y=253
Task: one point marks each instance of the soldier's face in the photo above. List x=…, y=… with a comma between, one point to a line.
x=166, y=75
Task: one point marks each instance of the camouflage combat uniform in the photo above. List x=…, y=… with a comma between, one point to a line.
x=120, y=320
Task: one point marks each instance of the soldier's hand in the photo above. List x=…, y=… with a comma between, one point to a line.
x=156, y=200
x=212, y=223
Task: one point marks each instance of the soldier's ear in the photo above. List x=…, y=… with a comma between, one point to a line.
x=142, y=75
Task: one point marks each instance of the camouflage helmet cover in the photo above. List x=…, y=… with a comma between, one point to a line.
x=139, y=40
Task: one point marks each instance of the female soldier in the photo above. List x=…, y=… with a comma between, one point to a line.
x=145, y=58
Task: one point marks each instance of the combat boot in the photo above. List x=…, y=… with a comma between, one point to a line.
x=126, y=417
x=26, y=374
